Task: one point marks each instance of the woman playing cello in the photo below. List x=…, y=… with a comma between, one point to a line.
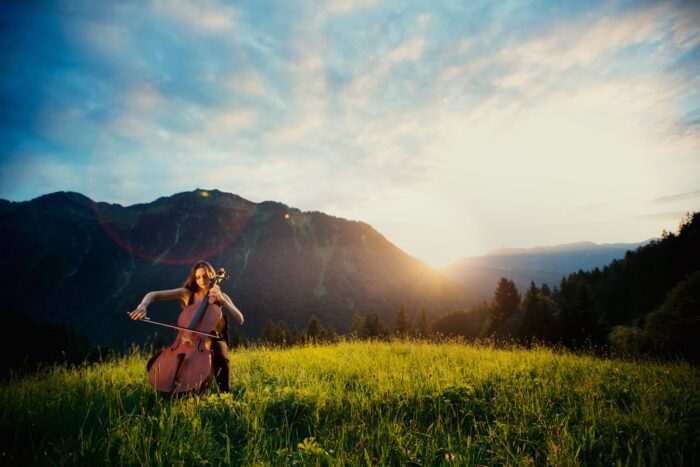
x=193, y=291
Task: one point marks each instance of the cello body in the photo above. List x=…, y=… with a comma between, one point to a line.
x=186, y=365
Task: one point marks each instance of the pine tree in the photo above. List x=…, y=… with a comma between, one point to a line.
x=423, y=326
x=294, y=336
x=530, y=309
x=373, y=326
x=358, y=325
x=539, y=312
x=235, y=338
x=675, y=326
x=545, y=290
x=269, y=332
x=314, y=329
x=582, y=320
x=402, y=323
x=506, y=300
x=282, y=334
x=330, y=335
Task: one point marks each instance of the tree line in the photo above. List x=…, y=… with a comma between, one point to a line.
x=645, y=303
x=367, y=325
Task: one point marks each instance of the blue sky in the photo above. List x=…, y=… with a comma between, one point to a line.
x=454, y=128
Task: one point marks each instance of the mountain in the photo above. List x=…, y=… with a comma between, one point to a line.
x=645, y=303
x=543, y=265
x=628, y=289
x=71, y=260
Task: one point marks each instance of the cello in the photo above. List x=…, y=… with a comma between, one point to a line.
x=186, y=365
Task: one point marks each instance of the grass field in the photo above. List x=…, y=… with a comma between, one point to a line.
x=363, y=403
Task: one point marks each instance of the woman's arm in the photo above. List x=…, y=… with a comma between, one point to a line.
x=233, y=312
x=150, y=297
x=226, y=304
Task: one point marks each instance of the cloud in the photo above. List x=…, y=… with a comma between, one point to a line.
x=209, y=16
x=230, y=121
x=143, y=97
x=409, y=50
x=373, y=81
x=591, y=63
x=112, y=39
x=663, y=216
x=357, y=95
x=309, y=81
x=587, y=42
x=247, y=82
x=69, y=126
x=686, y=28
x=345, y=6
x=295, y=130
x=677, y=197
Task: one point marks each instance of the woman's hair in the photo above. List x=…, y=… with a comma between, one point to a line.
x=191, y=283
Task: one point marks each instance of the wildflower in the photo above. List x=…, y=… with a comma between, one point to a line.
x=310, y=446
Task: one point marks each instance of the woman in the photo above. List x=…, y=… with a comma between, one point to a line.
x=193, y=291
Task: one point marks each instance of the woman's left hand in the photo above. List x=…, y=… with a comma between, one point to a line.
x=215, y=294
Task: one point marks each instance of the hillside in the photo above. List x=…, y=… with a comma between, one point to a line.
x=86, y=263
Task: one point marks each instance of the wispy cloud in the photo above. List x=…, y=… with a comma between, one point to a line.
x=248, y=82
x=591, y=59
x=664, y=216
x=677, y=197
x=483, y=109
x=412, y=49
x=345, y=6
x=209, y=16
x=230, y=122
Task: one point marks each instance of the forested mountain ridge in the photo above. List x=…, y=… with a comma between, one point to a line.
x=648, y=301
x=628, y=289
x=86, y=263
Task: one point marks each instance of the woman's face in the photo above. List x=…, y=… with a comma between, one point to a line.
x=200, y=275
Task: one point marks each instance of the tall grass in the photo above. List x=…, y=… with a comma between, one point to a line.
x=363, y=403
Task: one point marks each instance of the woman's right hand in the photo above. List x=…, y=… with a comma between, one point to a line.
x=138, y=313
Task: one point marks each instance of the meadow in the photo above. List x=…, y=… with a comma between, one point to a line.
x=363, y=403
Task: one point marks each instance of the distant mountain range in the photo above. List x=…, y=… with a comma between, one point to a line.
x=543, y=265
x=71, y=260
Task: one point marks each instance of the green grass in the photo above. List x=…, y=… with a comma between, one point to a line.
x=363, y=403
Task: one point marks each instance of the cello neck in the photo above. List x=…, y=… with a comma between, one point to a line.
x=200, y=312
x=205, y=301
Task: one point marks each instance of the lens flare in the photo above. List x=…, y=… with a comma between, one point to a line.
x=133, y=230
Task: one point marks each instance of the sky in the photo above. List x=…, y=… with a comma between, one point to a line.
x=452, y=127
